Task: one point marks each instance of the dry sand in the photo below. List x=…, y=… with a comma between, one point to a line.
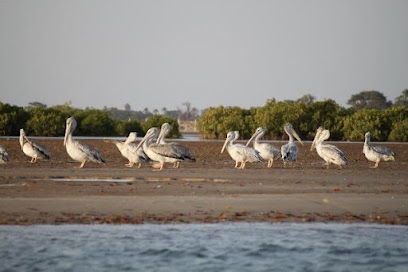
x=209, y=190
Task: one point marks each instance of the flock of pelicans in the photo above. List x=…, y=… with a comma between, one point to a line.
x=154, y=148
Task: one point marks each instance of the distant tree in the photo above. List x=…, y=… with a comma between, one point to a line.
x=12, y=118
x=402, y=100
x=157, y=121
x=369, y=100
x=37, y=104
x=155, y=111
x=127, y=107
x=146, y=111
x=288, y=101
x=306, y=99
x=164, y=110
x=270, y=102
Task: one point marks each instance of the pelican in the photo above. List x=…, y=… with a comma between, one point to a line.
x=268, y=152
x=289, y=151
x=328, y=152
x=78, y=151
x=180, y=149
x=128, y=150
x=3, y=155
x=33, y=150
x=159, y=152
x=377, y=153
x=240, y=153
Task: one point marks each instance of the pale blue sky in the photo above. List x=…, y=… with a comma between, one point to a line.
x=161, y=53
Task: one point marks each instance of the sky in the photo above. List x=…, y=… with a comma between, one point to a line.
x=155, y=54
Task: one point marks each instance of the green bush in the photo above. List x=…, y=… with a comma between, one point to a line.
x=367, y=120
x=399, y=131
x=46, y=122
x=157, y=120
x=123, y=128
x=12, y=118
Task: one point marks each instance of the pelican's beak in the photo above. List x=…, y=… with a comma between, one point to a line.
x=21, y=140
x=143, y=140
x=297, y=137
x=313, y=146
x=250, y=140
x=162, y=130
x=225, y=144
x=67, y=130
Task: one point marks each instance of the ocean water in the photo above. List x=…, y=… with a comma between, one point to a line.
x=205, y=247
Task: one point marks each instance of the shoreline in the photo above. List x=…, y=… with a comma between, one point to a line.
x=208, y=191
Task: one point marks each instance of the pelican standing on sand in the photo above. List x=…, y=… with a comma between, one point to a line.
x=78, y=151
x=3, y=155
x=376, y=153
x=328, y=152
x=158, y=152
x=268, y=152
x=33, y=150
x=289, y=151
x=240, y=153
x=129, y=150
x=178, y=148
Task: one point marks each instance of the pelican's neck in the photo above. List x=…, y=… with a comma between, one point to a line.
x=291, y=139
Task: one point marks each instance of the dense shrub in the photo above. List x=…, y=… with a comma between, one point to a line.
x=12, y=118
x=157, y=120
x=46, y=122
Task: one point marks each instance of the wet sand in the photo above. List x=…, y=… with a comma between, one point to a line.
x=210, y=190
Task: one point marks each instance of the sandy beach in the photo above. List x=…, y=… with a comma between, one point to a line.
x=210, y=190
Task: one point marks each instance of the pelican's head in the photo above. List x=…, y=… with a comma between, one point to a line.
x=71, y=126
x=316, y=138
x=131, y=138
x=367, y=135
x=150, y=134
x=290, y=131
x=165, y=129
x=21, y=139
x=259, y=132
x=230, y=137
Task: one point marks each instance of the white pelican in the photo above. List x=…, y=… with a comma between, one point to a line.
x=78, y=151
x=289, y=151
x=377, y=153
x=268, y=152
x=3, y=155
x=328, y=152
x=158, y=152
x=129, y=151
x=240, y=153
x=180, y=149
x=33, y=150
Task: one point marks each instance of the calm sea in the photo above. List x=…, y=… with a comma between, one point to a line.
x=205, y=247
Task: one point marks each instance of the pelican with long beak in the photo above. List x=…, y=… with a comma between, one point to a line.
x=376, y=153
x=268, y=152
x=178, y=148
x=3, y=155
x=289, y=151
x=329, y=153
x=240, y=153
x=129, y=150
x=158, y=152
x=78, y=151
x=33, y=150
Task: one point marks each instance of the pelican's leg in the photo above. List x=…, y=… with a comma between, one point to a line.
x=178, y=164
x=32, y=160
x=82, y=164
x=328, y=165
x=243, y=164
x=140, y=164
x=130, y=164
x=340, y=167
x=160, y=166
x=236, y=164
x=284, y=164
x=376, y=164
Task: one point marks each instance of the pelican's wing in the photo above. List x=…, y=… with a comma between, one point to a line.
x=289, y=152
x=41, y=149
x=334, y=153
x=252, y=154
x=166, y=150
x=383, y=150
x=92, y=153
x=132, y=147
x=3, y=155
x=271, y=149
x=184, y=151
